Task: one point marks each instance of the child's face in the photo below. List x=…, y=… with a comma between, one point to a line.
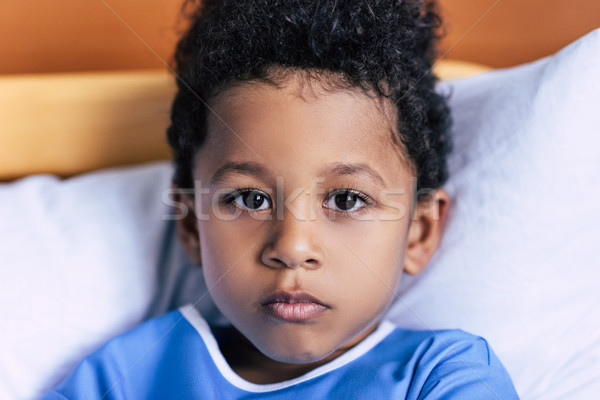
x=303, y=218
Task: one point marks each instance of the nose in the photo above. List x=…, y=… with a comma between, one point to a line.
x=293, y=244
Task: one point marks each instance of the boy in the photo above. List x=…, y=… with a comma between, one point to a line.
x=302, y=126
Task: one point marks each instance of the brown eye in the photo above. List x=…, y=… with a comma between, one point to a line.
x=251, y=200
x=345, y=200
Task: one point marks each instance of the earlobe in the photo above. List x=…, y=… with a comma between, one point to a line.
x=187, y=228
x=425, y=231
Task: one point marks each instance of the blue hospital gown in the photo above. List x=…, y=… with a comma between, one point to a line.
x=176, y=356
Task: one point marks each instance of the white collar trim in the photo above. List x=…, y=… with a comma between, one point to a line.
x=201, y=326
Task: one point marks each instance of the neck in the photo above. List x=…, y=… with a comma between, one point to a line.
x=252, y=365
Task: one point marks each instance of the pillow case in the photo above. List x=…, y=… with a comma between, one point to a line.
x=518, y=262
x=82, y=260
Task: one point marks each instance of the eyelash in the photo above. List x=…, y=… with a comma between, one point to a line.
x=365, y=198
x=229, y=199
x=368, y=201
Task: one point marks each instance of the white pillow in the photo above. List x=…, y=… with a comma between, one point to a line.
x=81, y=261
x=518, y=263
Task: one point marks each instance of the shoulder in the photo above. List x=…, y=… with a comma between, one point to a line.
x=172, y=322
x=436, y=346
x=154, y=334
x=127, y=363
x=449, y=364
x=443, y=346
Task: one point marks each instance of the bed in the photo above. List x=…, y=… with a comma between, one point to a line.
x=88, y=247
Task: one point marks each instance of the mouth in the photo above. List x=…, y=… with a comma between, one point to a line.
x=293, y=306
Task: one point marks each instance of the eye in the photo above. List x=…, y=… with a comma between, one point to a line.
x=346, y=200
x=250, y=199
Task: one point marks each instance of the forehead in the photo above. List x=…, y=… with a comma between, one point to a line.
x=301, y=125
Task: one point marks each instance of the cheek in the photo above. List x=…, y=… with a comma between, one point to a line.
x=376, y=251
x=225, y=253
x=379, y=245
x=223, y=274
x=371, y=260
x=225, y=242
x=230, y=252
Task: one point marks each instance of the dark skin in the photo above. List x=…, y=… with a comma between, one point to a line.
x=347, y=249
x=243, y=357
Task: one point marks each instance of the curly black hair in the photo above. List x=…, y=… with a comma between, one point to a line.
x=381, y=46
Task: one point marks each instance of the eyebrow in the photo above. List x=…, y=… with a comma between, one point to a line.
x=354, y=169
x=248, y=168
x=255, y=169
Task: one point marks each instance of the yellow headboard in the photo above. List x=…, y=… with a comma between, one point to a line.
x=76, y=122
x=57, y=118
x=71, y=123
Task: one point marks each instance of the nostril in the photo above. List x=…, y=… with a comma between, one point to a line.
x=292, y=254
x=310, y=263
x=282, y=263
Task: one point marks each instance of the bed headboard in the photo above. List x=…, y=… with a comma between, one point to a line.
x=70, y=123
x=84, y=85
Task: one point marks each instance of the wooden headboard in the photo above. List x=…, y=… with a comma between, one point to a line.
x=69, y=123
x=84, y=85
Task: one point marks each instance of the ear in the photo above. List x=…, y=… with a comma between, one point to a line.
x=425, y=231
x=187, y=226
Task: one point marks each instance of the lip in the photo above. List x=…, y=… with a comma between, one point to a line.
x=296, y=306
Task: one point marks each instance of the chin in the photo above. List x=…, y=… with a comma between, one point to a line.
x=294, y=355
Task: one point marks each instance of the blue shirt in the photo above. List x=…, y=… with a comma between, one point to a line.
x=176, y=356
